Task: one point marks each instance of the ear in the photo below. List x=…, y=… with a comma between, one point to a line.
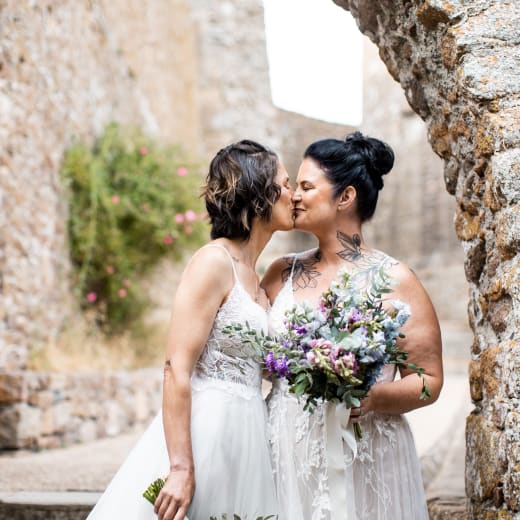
x=347, y=198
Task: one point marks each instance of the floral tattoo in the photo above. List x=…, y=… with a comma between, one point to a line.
x=303, y=269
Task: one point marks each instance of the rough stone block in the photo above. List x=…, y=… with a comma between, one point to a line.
x=42, y=400
x=484, y=76
x=511, y=368
x=19, y=426
x=47, y=422
x=508, y=232
x=491, y=371
x=475, y=259
x=475, y=381
x=431, y=14
x=467, y=226
x=505, y=171
x=512, y=478
x=114, y=419
x=448, y=508
x=499, y=314
x=13, y=388
x=61, y=416
x=485, y=458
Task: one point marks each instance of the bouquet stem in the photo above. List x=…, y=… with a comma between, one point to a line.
x=153, y=490
x=358, y=433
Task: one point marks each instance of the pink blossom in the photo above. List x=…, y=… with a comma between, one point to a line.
x=168, y=239
x=311, y=357
x=143, y=150
x=122, y=293
x=110, y=269
x=126, y=282
x=188, y=230
x=182, y=171
x=179, y=218
x=116, y=199
x=190, y=216
x=91, y=297
x=336, y=351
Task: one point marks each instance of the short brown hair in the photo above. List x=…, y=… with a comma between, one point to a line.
x=239, y=187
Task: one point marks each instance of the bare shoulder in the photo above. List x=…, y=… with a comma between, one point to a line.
x=276, y=275
x=209, y=267
x=409, y=287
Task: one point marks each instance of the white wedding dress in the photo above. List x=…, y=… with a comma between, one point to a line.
x=382, y=483
x=233, y=472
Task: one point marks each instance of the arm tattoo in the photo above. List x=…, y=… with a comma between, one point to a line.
x=304, y=273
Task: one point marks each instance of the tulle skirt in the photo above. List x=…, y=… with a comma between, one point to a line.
x=233, y=473
x=387, y=482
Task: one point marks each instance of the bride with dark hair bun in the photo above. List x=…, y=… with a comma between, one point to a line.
x=337, y=190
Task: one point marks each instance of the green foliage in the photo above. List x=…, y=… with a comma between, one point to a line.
x=132, y=202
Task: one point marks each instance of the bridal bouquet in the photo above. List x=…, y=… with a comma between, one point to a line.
x=337, y=350
x=152, y=492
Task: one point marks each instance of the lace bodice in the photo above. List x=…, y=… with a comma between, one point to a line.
x=225, y=357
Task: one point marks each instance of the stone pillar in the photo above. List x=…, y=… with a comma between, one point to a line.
x=459, y=65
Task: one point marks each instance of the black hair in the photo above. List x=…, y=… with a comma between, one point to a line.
x=358, y=161
x=240, y=186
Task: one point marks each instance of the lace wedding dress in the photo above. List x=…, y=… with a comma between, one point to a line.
x=233, y=472
x=383, y=482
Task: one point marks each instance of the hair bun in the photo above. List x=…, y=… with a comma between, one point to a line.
x=378, y=156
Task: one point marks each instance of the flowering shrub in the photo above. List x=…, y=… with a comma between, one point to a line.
x=132, y=202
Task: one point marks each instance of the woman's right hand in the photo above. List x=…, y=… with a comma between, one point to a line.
x=176, y=495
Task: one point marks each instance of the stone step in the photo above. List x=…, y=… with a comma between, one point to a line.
x=44, y=505
x=70, y=505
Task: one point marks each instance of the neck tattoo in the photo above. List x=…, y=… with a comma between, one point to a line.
x=351, y=251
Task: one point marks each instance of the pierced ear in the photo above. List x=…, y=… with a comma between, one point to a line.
x=347, y=198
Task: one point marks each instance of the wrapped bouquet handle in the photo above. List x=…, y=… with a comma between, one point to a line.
x=341, y=481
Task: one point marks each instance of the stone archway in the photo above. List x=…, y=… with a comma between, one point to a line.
x=459, y=65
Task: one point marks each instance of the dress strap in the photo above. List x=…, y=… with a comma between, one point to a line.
x=295, y=257
x=230, y=258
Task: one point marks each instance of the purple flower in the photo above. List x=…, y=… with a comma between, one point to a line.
x=354, y=315
x=270, y=362
x=282, y=367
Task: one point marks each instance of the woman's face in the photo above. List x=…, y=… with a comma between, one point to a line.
x=313, y=204
x=282, y=214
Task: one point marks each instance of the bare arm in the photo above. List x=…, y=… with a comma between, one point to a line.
x=200, y=294
x=423, y=345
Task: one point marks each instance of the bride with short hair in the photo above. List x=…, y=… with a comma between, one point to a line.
x=210, y=440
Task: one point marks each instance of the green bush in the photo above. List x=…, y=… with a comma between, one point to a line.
x=132, y=202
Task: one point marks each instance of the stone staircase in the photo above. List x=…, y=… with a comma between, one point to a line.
x=47, y=505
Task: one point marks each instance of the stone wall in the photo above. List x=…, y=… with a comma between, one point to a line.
x=66, y=69
x=414, y=217
x=190, y=71
x=49, y=410
x=459, y=66
x=233, y=73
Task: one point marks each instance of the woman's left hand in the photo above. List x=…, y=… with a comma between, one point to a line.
x=357, y=414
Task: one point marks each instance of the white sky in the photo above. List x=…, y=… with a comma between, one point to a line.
x=315, y=59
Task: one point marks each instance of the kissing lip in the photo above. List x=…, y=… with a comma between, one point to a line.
x=296, y=209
